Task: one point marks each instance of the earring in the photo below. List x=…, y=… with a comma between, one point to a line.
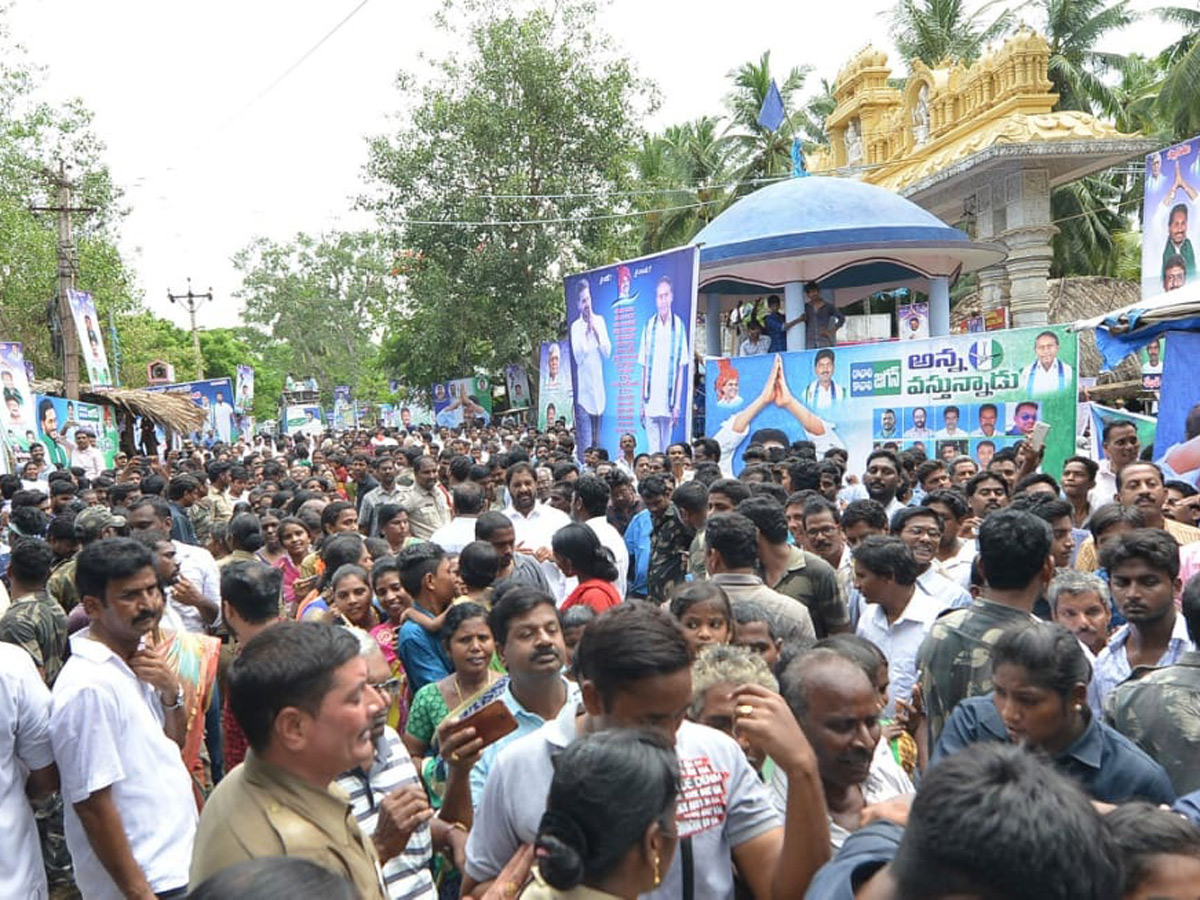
x=657, y=875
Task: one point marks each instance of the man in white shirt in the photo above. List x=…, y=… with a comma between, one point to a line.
x=222, y=418
x=1121, y=447
x=467, y=500
x=27, y=771
x=117, y=724
x=590, y=346
x=664, y=355
x=535, y=524
x=1047, y=374
x=590, y=506
x=824, y=393
x=921, y=529
x=196, y=565
x=86, y=454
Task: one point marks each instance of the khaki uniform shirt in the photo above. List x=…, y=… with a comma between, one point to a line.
x=1159, y=710
x=260, y=810
x=427, y=511
x=221, y=506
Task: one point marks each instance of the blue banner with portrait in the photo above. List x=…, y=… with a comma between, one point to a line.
x=957, y=395
x=1177, y=441
x=215, y=397
x=630, y=334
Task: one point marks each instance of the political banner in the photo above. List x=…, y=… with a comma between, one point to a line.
x=555, y=399
x=912, y=321
x=60, y=419
x=1177, y=445
x=91, y=341
x=303, y=420
x=630, y=330
x=343, y=407
x=1102, y=415
x=952, y=395
x=463, y=398
x=1169, y=209
x=244, y=390
x=214, y=396
x=20, y=417
x=517, y=382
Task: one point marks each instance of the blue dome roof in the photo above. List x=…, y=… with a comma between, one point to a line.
x=821, y=227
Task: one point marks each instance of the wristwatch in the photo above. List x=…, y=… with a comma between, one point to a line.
x=178, y=699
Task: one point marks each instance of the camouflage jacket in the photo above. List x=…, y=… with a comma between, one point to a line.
x=61, y=586
x=670, y=540
x=955, y=660
x=813, y=582
x=1159, y=710
x=38, y=624
x=201, y=514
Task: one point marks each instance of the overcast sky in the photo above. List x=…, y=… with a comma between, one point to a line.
x=207, y=166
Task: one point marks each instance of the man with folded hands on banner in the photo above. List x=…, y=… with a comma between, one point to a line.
x=663, y=357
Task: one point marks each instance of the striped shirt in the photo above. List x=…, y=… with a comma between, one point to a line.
x=407, y=875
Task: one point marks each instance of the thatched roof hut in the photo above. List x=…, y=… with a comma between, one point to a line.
x=1072, y=299
x=173, y=411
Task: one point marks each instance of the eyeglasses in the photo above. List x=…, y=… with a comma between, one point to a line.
x=387, y=687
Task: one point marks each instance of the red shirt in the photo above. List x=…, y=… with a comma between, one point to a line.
x=596, y=593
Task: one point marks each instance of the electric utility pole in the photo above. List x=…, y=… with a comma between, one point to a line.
x=191, y=302
x=67, y=269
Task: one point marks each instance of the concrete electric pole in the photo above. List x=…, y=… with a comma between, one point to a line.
x=191, y=302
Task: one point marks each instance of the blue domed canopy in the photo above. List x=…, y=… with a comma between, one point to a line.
x=853, y=238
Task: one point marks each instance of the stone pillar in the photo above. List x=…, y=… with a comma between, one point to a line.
x=793, y=306
x=712, y=324
x=939, y=306
x=1027, y=235
x=989, y=222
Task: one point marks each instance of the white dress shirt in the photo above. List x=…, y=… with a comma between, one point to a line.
x=455, y=534
x=198, y=566
x=535, y=531
x=900, y=640
x=106, y=727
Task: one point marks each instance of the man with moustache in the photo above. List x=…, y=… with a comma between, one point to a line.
x=1121, y=447
x=116, y=727
x=301, y=694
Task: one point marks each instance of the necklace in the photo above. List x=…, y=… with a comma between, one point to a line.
x=458, y=687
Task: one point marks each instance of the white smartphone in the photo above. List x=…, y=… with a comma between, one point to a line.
x=1037, y=439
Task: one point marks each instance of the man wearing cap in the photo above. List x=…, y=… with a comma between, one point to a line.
x=91, y=525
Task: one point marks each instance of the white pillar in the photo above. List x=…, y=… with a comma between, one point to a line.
x=712, y=324
x=793, y=306
x=939, y=306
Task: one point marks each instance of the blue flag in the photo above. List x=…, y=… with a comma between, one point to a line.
x=771, y=115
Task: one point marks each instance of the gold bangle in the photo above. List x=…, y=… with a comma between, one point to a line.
x=460, y=826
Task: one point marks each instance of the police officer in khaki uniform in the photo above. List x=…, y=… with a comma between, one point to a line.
x=425, y=501
x=279, y=802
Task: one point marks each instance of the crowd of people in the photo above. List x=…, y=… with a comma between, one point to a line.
x=474, y=662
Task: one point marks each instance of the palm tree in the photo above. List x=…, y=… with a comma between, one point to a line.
x=810, y=120
x=1077, y=69
x=1181, y=63
x=937, y=30
x=763, y=154
x=1089, y=226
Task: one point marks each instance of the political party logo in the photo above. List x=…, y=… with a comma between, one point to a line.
x=986, y=355
x=875, y=378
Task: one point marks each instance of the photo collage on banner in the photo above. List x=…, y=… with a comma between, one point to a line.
x=460, y=399
x=20, y=411
x=214, y=396
x=555, y=400
x=243, y=403
x=630, y=334
x=956, y=395
x=1177, y=442
x=59, y=419
x=1169, y=220
x=91, y=340
x=517, y=382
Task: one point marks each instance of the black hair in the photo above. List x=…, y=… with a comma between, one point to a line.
x=245, y=532
x=348, y=570
x=1013, y=548
x=901, y=517
x=1144, y=832
x=870, y=511
x=691, y=496
x=696, y=593
x=1112, y=425
x=748, y=611
x=979, y=478
x=885, y=454
x=1140, y=463
x=489, y=523
x=860, y=651
x=927, y=468
x=593, y=492
x=1033, y=478
x=271, y=877
x=996, y=821
x=340, y=550
x=580, y=545
x=478, y=564
x=888, y=557
x=518, y=469
x=456, y=615
x=768, y=516
x=1048, y=509
x=468, y=498
x=735, y=490
x=1051, y=656
x=62, y=486
x=460, y=467
x=388, y=511
x=653, y=486
x=628, y=643
x=31, y=561
x=159, y=506
x=514, y=599
x=253, y=589
x=180, y=485
x=289, y=664
x=735, y=537
x=1092, y=467
x=331, y=513
x=712, y=449
x=608, y=788
x=950, y=498
x=814, y=506
x=108, y=560
x=1110, y=514
x=1153, y=546
x=804, y=474
x=28, y=521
